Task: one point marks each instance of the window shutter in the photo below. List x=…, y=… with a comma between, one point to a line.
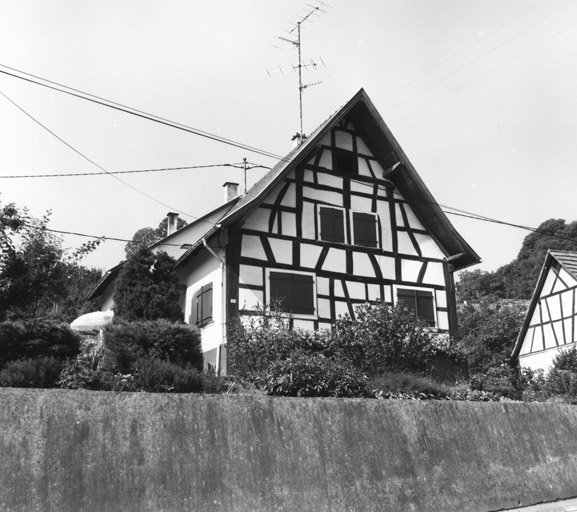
x=425, y=307
x=365, y=229
x=332, y=225
x=294, y=292
x=408, y=299
x=206, y=304
x=303, y=294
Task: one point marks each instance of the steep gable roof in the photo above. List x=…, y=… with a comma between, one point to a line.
x=568, y=261
x=361, y=112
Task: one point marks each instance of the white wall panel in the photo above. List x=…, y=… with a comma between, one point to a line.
x=249, y=274
x=324, y=306
x=441, y=298
x=329, y=180
x=361, y=204
x=387, y=266
x=258, y=220
x=362, y=147
x=308, y=224
x=310, y=255
x=410, y=270
x=326, y=160
x=374, y=292
x=289, y=198
x=443, y=320
x=428, y=246
x=323, y=284
x=356, y=290
x=331, y=198
x=406, y=244
x=249, y=299
x=282, y=250
x=343, y=140
x=362, y=265
x=252, y=248
x=335, y=261
x=434, y=274
x=289, y=224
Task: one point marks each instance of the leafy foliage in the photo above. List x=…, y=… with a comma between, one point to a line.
x=383, y=339
x=155, y=375
x=36, y=338
x=147, y=288
x=41, y=372
x=517, y=279
x=127, y=342
x=407, y=385
x=37, y=277
x=313, y=375
x=488, y=333
x=145, y=237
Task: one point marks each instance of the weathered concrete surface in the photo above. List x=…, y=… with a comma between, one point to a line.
x=90, y=451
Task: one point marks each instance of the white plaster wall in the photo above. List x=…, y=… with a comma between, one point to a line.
x=201, y=270
x=541, y=360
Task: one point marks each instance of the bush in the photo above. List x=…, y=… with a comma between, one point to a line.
x=313, y=375
x=407, y=385
x=41, y=372
x=25, y=339
x=266, y=339
x=501, y=381
x=164, y=377
x=383, y=339
x=147, y=288
x=126, y=342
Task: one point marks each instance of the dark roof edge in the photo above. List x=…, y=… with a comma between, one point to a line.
x=104, y=281
x=514, y=359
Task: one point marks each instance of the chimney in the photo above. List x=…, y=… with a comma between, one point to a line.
x=230, y=191
x=172, y=223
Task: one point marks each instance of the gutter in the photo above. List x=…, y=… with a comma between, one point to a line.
x=223, y=305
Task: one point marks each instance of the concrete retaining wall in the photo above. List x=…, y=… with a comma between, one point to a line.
x=91, y=451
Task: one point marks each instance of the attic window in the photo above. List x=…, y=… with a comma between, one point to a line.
x=345, y=162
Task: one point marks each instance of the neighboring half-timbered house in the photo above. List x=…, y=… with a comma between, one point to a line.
x=549, y=325
x=342, y=220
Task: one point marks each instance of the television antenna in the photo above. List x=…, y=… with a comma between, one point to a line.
x=294, y=38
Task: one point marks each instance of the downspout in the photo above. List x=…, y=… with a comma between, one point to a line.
x=223, y=305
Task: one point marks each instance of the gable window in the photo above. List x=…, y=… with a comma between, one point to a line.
x=292, y=292
x=201, y=313
x=365, y=229
x=332, y=224
x=345, y=162
x=420, y=302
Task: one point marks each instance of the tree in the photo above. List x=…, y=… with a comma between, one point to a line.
x=147, y=288
x=517, y=279
x=37, y=276
x=488, y=333
x=145, y=237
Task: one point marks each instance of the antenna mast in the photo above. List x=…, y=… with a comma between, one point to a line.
x=314, y=10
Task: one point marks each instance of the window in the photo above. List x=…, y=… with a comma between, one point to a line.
x=365, y=229
x=332, y=224
x=345, y=162
x=420, y=302
x=201, y=313
x=294, y=293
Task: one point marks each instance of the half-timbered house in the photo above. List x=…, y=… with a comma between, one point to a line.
x=549, y=325
x=342, y=220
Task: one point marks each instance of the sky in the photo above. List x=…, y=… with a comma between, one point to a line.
x=480, y=96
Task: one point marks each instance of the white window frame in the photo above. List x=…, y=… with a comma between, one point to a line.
x=314, y=316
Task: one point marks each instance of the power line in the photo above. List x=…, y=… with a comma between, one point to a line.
x=96, y=164
x=163, y=169
x=130, y=110
x=481, y=56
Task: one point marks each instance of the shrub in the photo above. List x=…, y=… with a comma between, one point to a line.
x=502, y=380
x=126, y=342
x=313, y=375
x=383, y=339
x=566, y=360
x=407, y=385
x=147, y=288
x=41, y=372
x=24, y=339
x=156, y=375
x=266, y=339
